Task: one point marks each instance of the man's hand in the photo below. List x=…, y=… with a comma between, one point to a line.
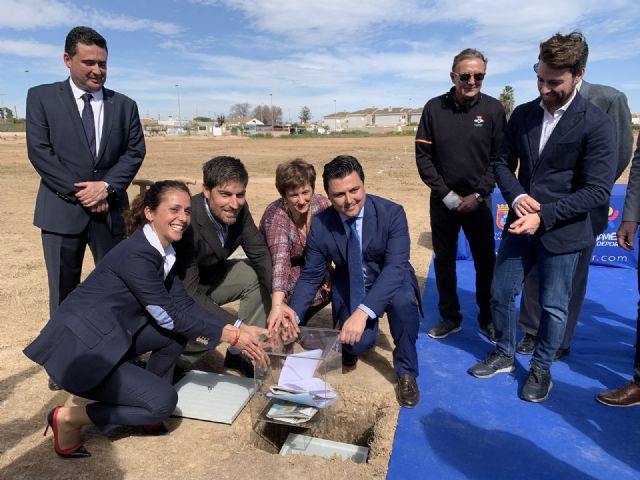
x=527, y=225
x=468, y=204
x=353, y=327
x=101, y=207
x=526, y=205
x=282, y=321
x=626, y=234
x=249, y=345
x=90, y=193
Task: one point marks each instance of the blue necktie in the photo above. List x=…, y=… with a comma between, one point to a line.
x=354, y=256
x=88, y=123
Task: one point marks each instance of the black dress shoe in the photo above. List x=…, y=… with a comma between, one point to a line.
x=53, y=386
x=407, y=391
x=237, y=361
x=562, y=352
x=77, y=451
x=538, y=385
x=526, y=344
x=349, y=360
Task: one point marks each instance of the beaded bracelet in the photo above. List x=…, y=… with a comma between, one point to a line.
x=235, y=340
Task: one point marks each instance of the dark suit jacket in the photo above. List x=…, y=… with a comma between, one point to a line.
x=59, y=152
x=573, y=174
x=385, y=247
x=614, y=103
x=200, y=252
x=92, y=329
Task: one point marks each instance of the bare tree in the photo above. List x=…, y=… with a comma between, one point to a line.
x=268, y=115
x=508, y=99
x=240, y=110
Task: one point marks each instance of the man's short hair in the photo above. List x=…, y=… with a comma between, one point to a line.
x=467, y=54
x=294, y=174
x=340, y=167
x=221, y=170
x=85, y=36
x=565, y=51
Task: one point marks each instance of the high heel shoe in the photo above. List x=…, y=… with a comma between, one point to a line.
x=77, y=451
x=155, y=429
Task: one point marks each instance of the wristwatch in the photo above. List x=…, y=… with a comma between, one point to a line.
x=109, y=188
x=478, y=197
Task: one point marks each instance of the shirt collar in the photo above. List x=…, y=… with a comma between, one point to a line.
x=562, y=109
x=221, y=227
x=360, y=216
x=77, y=92
x=462, y=107
x=169, y=254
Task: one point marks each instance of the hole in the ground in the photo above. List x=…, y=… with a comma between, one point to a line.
x=355, y=426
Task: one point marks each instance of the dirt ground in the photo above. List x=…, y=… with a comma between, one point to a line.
x=366, y=413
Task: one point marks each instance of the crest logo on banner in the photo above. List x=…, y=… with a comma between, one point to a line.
x=502, y=210
x=613, y=214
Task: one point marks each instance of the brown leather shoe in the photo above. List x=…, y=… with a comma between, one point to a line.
x=627, y=396
x=407, y=391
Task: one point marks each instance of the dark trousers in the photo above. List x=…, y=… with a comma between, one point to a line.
x=636, y=366
x=404, y=319
x=131, y=395
x=530, y=311
x=478, y=228
x=63, y=256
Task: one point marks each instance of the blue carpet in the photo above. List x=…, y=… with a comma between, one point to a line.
x=466, y=428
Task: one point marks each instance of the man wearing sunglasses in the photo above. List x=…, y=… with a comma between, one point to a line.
x=564, y=149
x=457, y=140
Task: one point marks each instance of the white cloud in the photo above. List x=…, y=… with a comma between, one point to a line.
x=33, y=14
x=29, y=48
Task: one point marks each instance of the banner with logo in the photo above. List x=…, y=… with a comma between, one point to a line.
x=607, y=251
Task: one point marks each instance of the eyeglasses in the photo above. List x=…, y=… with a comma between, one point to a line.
x=465, y=77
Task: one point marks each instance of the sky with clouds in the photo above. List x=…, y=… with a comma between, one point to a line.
x=206, y=55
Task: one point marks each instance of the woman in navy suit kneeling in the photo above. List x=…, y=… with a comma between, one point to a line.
x=132, y=303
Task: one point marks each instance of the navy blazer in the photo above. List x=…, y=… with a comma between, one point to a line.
x=93, y=328
x=572, y=175
x=385, y=251
x=59, y=152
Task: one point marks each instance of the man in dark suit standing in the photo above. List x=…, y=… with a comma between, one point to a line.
x=564, y=150
x=614, y=103
x=220, y=223
x=87, y=144
x=367, y=239
x=629, y=394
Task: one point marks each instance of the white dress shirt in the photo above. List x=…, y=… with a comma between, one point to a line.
x=97, y=107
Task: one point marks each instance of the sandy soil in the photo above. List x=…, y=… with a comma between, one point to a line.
x=366, y=414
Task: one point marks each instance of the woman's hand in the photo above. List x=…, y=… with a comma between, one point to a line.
x=282, y=322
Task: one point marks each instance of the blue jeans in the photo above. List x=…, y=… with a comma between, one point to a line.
x=516, y=255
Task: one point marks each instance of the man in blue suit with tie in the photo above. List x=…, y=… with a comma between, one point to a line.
x=87, y=144
x=367, y=239
x=564, y=149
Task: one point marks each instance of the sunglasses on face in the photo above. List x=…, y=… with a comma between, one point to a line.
x=465, y=77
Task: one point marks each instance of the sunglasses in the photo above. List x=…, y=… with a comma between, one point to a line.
x=465, y=77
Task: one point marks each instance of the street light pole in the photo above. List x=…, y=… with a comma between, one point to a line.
x=179, y=113
x=271, y=105
x=334, y=107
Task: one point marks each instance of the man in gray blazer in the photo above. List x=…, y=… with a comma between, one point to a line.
x=87, y=144
x=629, y=395
x=614, y=103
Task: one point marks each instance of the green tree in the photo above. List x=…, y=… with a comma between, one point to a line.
x=304, y=115
x=203, y=119
x=508, y=99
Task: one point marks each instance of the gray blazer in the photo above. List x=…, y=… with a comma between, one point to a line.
x=631, y=212
x=59, y=152
x=614, y=103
